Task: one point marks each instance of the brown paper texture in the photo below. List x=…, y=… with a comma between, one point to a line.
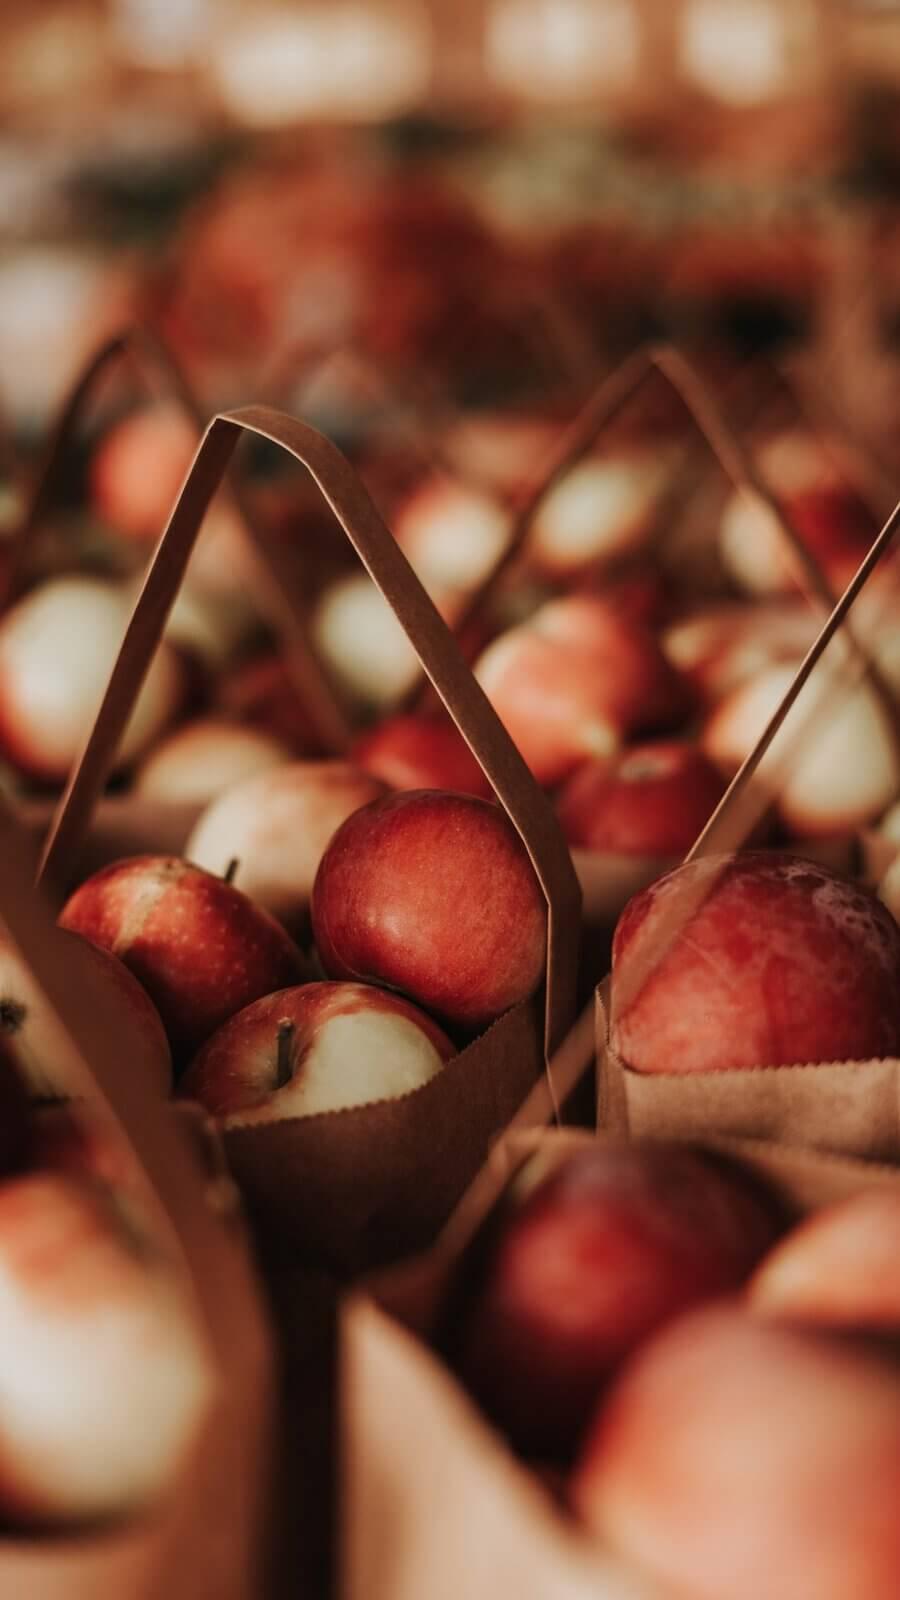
x=412, y=1441
x=208, y=1539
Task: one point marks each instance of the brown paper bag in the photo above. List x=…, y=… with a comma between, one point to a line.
x=432, y=1500
x=364, y=1185
x=211, y=1535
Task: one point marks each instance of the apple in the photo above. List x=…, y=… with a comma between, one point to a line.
x=772, y=961
x=138, y=468
x=57, y=648
x=39, y=1044
x=200, y=947
x=737, y=1458
x=725, y=644
x=277, y=825
x=840, y=1266
x=600, y=510
x=321, y=1047
x=451, y=534
x=830, y=520
x=613, y=1243
x=651, y=800
x=831, y=768
x=574, y=680
x=260, y=692
x=104, y=1378
x=204, y=757
x=503, y=450
x=415, y=751
x=362, y=642
x=433, y=894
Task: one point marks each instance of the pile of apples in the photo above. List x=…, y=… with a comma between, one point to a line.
x=257, y=1028
x=711, y=1383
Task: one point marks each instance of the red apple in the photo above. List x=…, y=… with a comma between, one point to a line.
x=652, y=800
x=38, y=1042
x=412, y=751
x=840, y=1266
x=57, y=648
x=433, y=894
x=321, y=1047
x=772, y=961
x=204, y=757
x=201, y=948
x=261, y=693
x=834, y=765
x=574, y=681
x=277, y=825
x=736, y=1459
x=104, y=1378
x=138, y=468
x=451, y=534
x=615, y=1242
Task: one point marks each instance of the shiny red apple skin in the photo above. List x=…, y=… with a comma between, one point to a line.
x=783, y=963
x=411, y=751
x=433, y=894
x=201, y=948
x=614, y=1243
x=736, y=1458
x=839, y=1267
x=575, y=681
x=652, y=800
x=351, y=1044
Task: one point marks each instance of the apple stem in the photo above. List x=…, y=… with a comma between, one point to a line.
x=228, y=875
x=284, y=1069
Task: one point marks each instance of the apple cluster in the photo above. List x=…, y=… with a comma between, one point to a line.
x=425, y=913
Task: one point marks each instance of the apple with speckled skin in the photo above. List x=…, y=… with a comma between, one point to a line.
x=772, y=961
x=414, y=751
x=575, y=680
x=616, y=1241
x=839, y=1267
x=651, y=800
x=734, y=1453
x=104, y=1375
x=433, y=894
x=277, y=826
x=201, y=948
x=40, y=1045
x=320, y=1047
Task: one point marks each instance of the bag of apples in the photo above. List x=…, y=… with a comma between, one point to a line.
x=136, y=1366
x=642, y=1369
x=754, y=993
x=620, y=657
x=353, y=1110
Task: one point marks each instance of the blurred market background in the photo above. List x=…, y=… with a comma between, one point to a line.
x=433, y=229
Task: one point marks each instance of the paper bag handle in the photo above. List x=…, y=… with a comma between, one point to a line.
x=156, y=362
x=342, y=490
